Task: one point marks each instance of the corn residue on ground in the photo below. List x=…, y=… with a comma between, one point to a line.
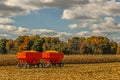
x=101, y=71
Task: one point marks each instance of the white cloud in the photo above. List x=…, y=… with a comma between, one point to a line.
x=86, y=12
x=64, y=36
x=83, y=34
x=43, y=32
x=35, y=4
x=6, y=21
x=117, y=39
x=7, y=28
x=12, y=30
x=92, y=11
x=97, y=1
x=81, y=13
x=4, y=35
x=21, y=31
x=73, y=26
x=24, y=4
x=107, y=26
x=10, y=11
x=81, y=10
x=46, y=1
x=111, y=9
x=11, y=8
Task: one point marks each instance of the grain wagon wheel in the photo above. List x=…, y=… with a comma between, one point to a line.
x=61, y=64
x=50, y=64
x=47, y=65
x=27, y=65
x=40, y=65
x=19, y=65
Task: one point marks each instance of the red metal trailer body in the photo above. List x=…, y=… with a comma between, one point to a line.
x=54, y=57
x=30, y=57
x=41, y=59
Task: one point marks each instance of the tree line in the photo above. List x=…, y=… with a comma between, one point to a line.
x=91, y=45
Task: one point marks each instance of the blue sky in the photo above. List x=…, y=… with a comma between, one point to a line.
x=60, y=18
x=45, y=19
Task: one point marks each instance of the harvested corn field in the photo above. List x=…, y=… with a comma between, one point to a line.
x=101, y=71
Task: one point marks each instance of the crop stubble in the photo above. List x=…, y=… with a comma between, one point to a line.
x=101, y=71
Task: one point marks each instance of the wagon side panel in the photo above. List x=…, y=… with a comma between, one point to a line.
x=45, y=55
x=22, y=57
x=33, y=57
x=56, y=57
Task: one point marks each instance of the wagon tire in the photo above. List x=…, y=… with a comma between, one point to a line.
x=50, y=65
x=19, y=65
x=61, y=64
x=27, y=65
x=40, y=65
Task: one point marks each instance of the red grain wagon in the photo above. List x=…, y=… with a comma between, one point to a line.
x=27, y=58
x=40, y=59
x=53, y=58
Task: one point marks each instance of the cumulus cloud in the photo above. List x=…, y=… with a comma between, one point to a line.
x=87, y=13
x=117, y=39
x=64, y=36
x=9, y=11
x=83, y=34
x=107, y=26
x=6, y=21
x=43, y=32
x=23, y=4
x=111, y=8
x=73, y=26
x=97, y=1
x=84, y=10
x=7, y=28
x=92, y=11
x=12, y=30
x=35, y=4
x=21, y=31
x=81, y=13
x=82, y=25
x=4, y=35
x=66, y=3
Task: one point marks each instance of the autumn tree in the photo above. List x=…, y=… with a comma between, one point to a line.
x=26, y=45
x=98, y=45
x=75, y=43
x=3, y=46
x=51, y=43
x=10, y=47
x=38, y=43
x=114, y=46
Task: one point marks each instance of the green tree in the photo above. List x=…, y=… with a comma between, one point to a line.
x=75, y=43
x=3, y=46
x=98, y=45
x=51, y=43
x=37, y=46
x=114, y=46
x=10, y=47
